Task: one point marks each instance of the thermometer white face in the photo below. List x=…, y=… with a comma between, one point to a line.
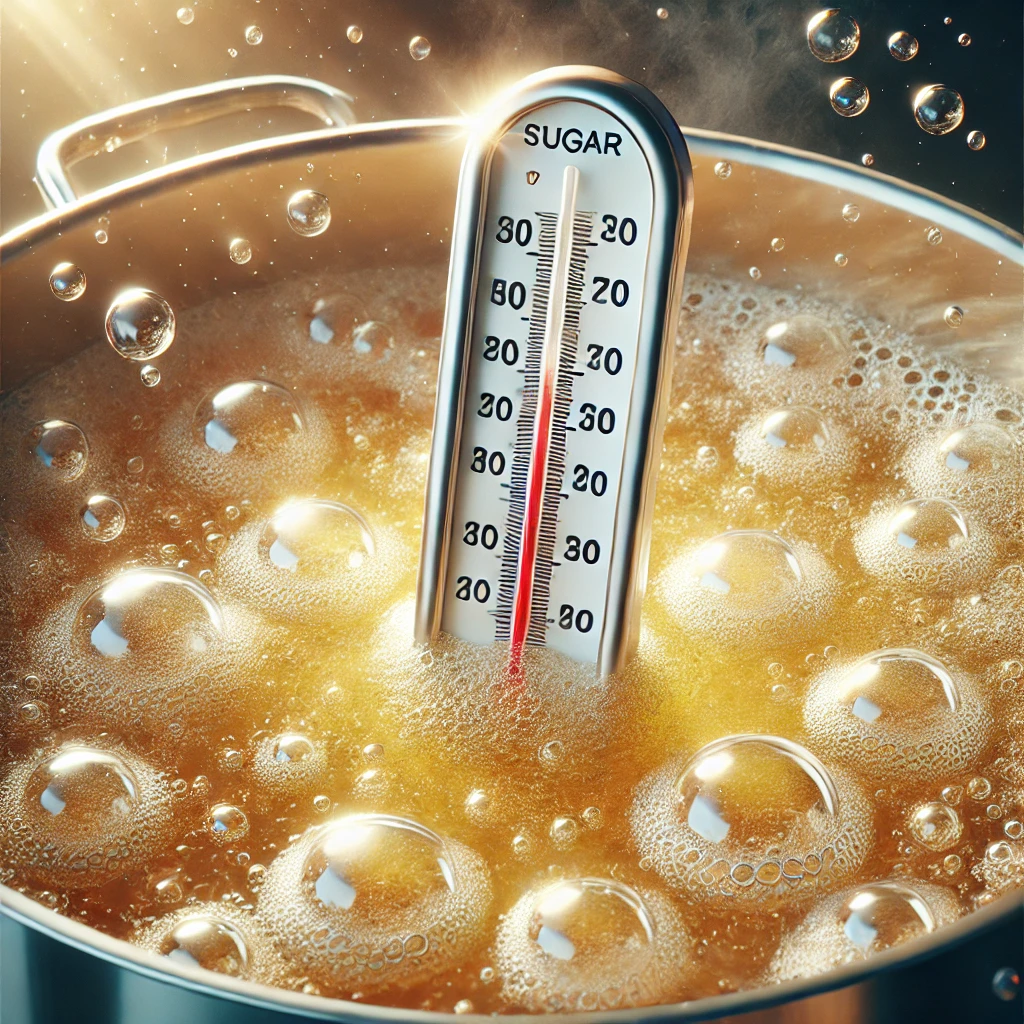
x=567, y=262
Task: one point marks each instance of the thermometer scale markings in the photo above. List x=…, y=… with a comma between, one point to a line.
x=547, y=426
x=539, y=462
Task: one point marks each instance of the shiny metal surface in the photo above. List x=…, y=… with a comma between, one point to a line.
x=169, y=229
x=669, y=165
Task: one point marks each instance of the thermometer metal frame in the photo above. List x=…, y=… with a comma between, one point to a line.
x=661, y=141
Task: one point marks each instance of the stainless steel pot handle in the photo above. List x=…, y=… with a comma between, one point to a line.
x=114, y=128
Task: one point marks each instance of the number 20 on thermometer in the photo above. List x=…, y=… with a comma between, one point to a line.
x=567, y=263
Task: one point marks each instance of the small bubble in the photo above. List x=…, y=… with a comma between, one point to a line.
x=140, y=324
x=101, y=236
x=851, y=213
x=954, y=316
x=232, y=511
x=1006, y=984
x=31, y=682
x=32, y=711
x=186, y=15
x=564, y=831
x=994, y=811
x=1013, y=829
x=868, y=160
x=135, y=464
x=951, y=864
x=419, y=47
x=936, y=826
x=849, y=96
x=232, y=759
x=592, y=817
x=232, y=52
x=964, y=39
x=841, y=259
x=662, y=13
x=464, y=1006
x=487, y=975
x=933, y=235
x=979, y=788
x=309, y=213
x=67, y=282
x=755, y=273
x=832, y=35
x=256, y=875
x=947, y=21
x=149, y=375
x=374, y=752
x=322, y=803
x=953, y=795
x=903, y=46
x=254, y=35
x=938, y=109
x=707, y=455
x=60, y=446
x=723, y=169
x=520, y=845
x=354, y=34
x=778, y=244
x=103, y=518
x=552, y=751
x=240, y=250
x=976, y=140
x=227, y=823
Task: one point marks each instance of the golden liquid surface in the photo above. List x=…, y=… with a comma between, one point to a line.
x=221, y=744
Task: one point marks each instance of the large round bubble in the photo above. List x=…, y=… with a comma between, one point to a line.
x=372, y=900
x=754, y=818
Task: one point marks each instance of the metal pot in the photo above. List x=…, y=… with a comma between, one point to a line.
x=392, y=189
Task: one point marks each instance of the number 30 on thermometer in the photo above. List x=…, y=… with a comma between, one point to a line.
x=566, y=271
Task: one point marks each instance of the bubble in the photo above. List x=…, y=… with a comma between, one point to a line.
x=354, y=34
x=857, y=924
x=851, y=213
x=662, y=13
x=140, y=324
x=745, y=583
x=371, y=900
x=800, y=343
x=67, y=282
x=590, y=944
x=938, y=109
x=289, y=765
x=1013, y=829
x=86, y=812
x=778, y=244
x=849, y=96
x=1006, y=984
x=135, y=464
x=976, y=140
x=933, y=235
x=101, y=236
x=232, y=52
x=936, y=826
x=252, y=416
x=753, y=818
x=979, y=788
x=309, y=213
x=903, y=46
x=317, y=538
x=564, y=831
x=148, y=611
x=897, y=716
x=103, y=518
x=868, y=160
x=240, y=250
x=227, y=823
x=795, y=446
x=149, y=375
x=755, y=273
x=419, y=47
x=60, y=447
x=964, y=39
x=322, y=803
x=723, y=169
x=954, y=316
x=186, y=15
x=925, y=542
x=216, y=937
x=832, y=35
x=254, y=35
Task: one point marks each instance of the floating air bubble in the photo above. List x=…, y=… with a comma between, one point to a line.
x=832, y=35
x=753, y=818
x=59, y=447
x=140, y=324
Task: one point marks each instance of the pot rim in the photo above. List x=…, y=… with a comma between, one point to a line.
x=702, y=143
x=798, y=163
x=120, y=953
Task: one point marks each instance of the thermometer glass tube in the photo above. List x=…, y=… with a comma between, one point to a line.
x=567, y=263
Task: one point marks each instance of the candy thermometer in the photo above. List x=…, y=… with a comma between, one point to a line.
x=568, y=250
